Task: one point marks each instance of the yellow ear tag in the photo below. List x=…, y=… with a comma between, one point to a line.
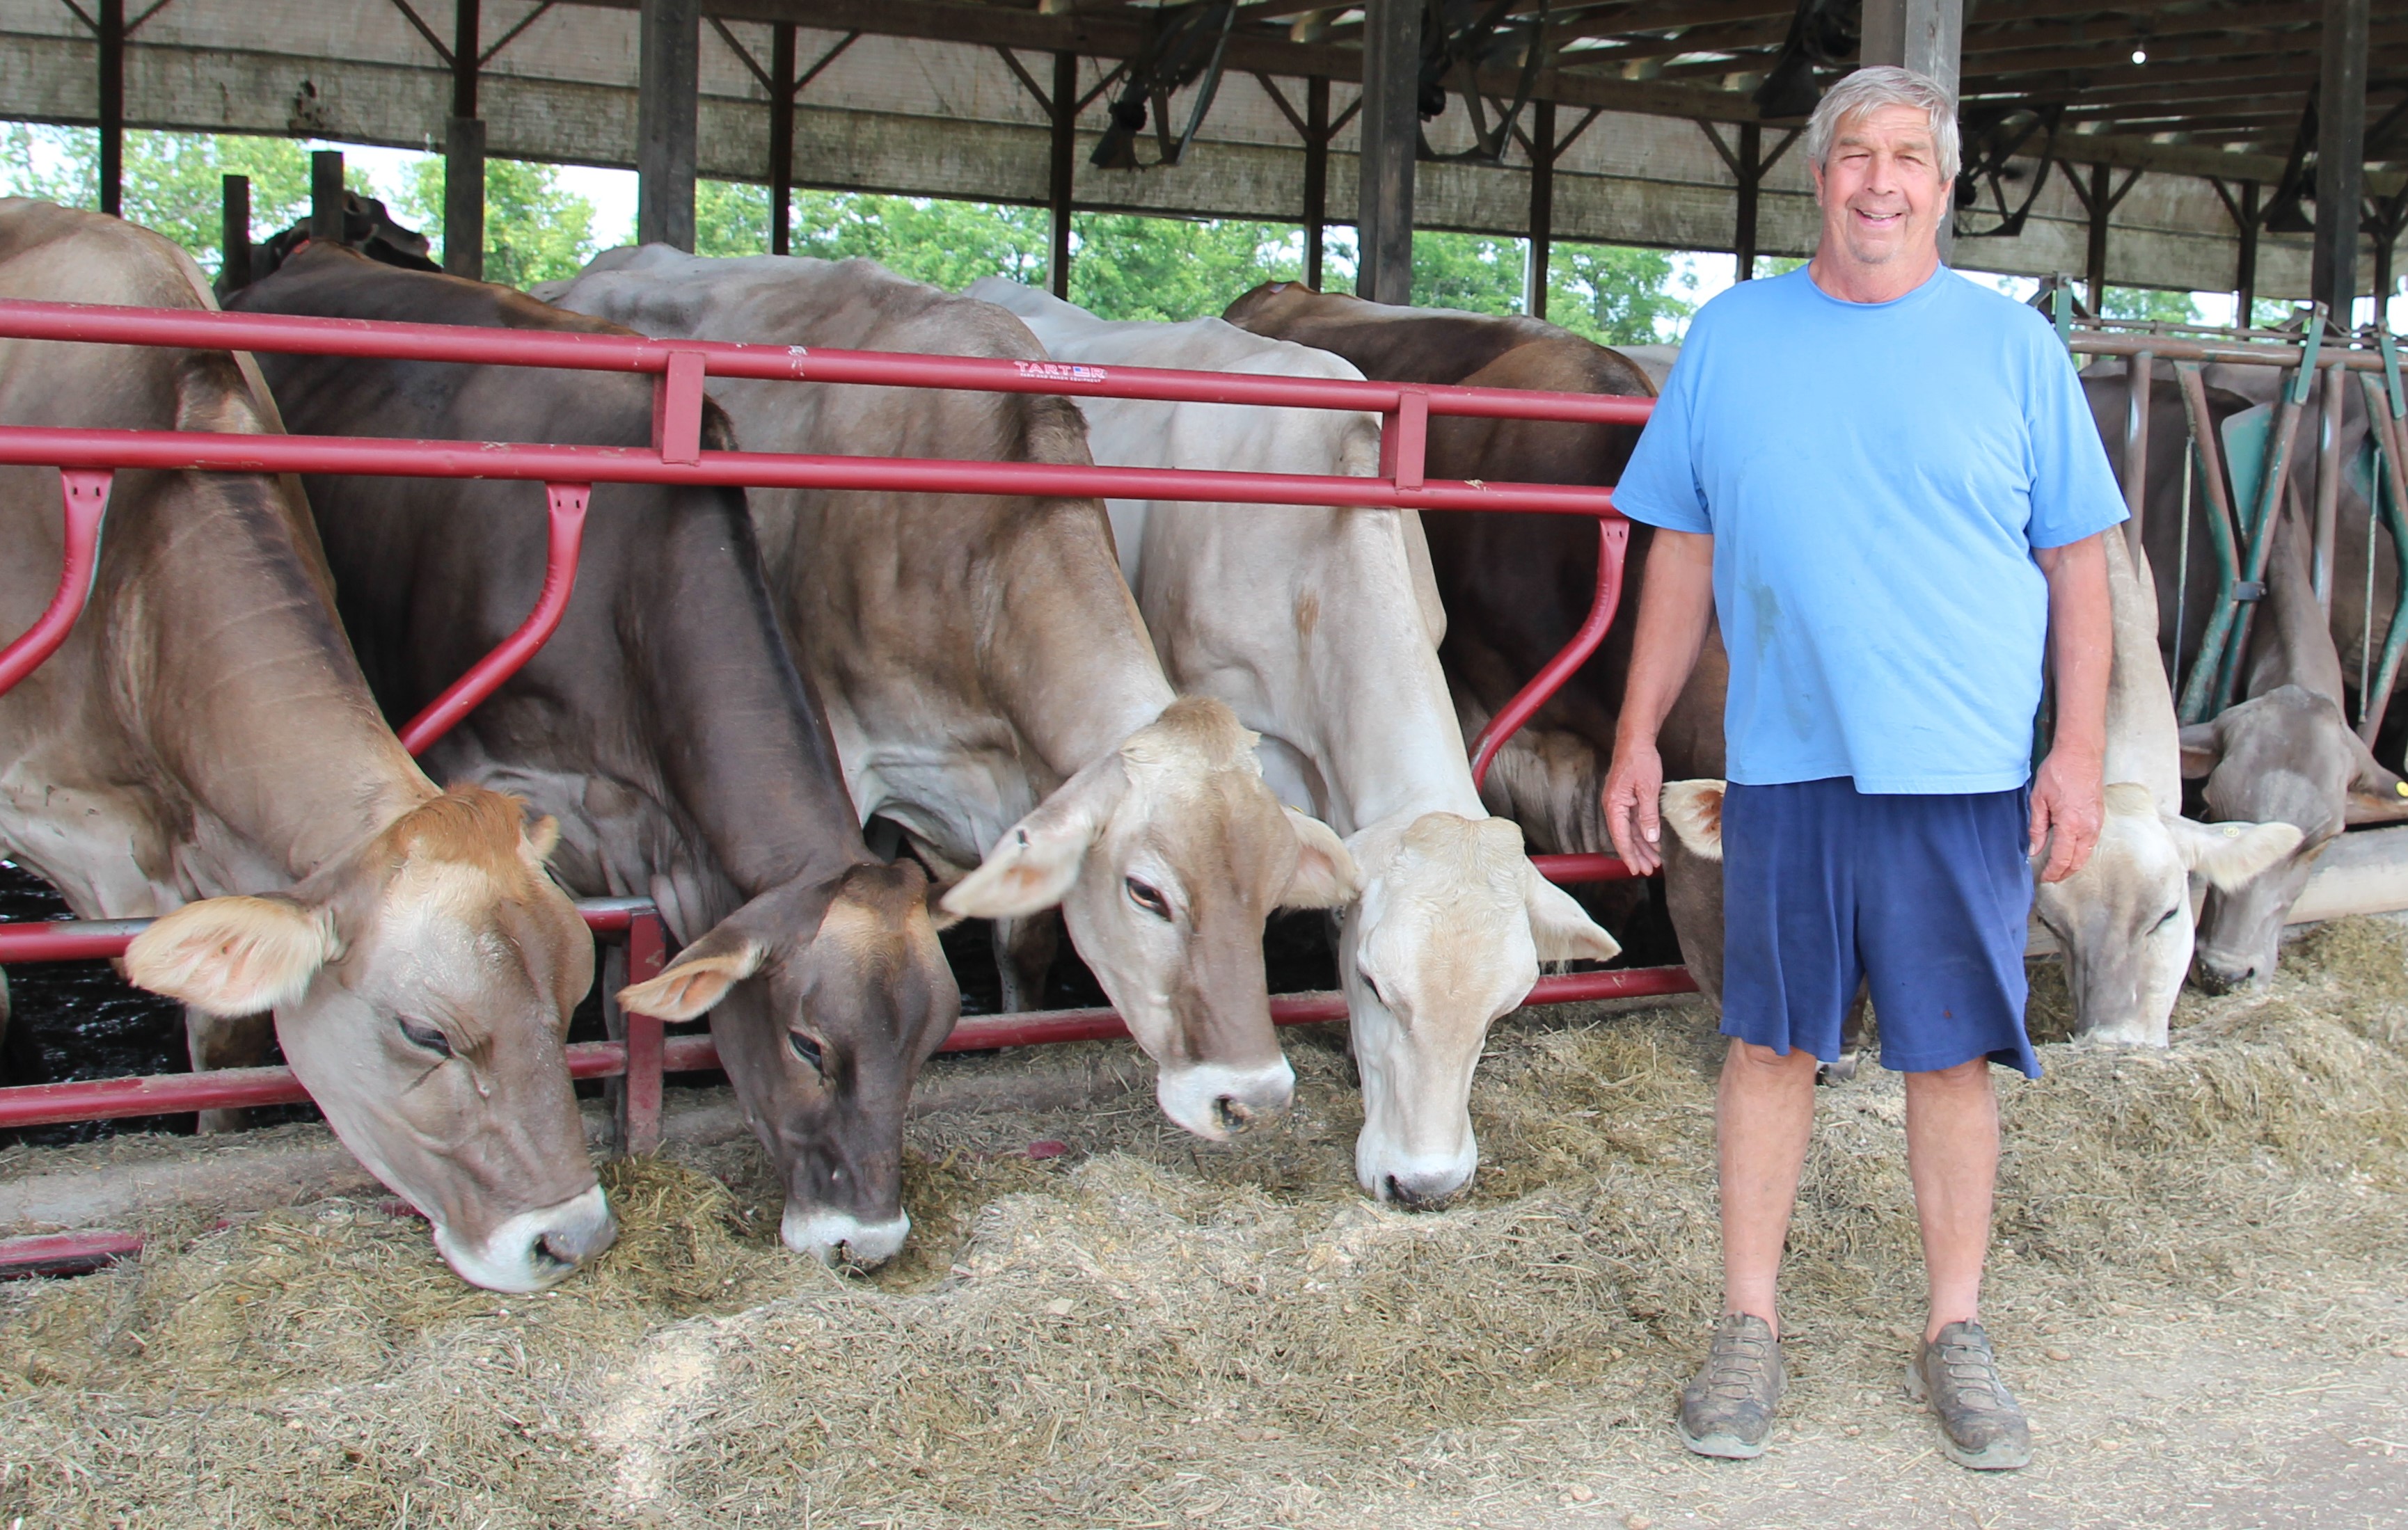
x=2400, y=787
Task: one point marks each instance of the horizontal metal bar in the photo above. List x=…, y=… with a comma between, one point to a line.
x=64, y=1254
x=292, y=334
x=1582, y=868
x=87, y=940
x=171, y=451
x=2238, y=353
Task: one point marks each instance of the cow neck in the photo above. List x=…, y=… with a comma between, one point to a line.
x=1095, y=679
x=1389, y=749
x=2142, y=736
x=742, y=744
x=267, y=723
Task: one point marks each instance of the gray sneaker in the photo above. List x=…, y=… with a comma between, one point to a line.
x=1979, y=1425
x=1727, y=1410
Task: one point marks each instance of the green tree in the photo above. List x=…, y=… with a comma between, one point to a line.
x=1125, y=267
x=1470, y=271
x=730, y=217
x=946, y=244
x=534, y=230
x=2148, y=302
x=1614, y=295
x=174, y=181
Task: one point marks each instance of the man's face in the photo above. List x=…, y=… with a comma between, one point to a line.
x=1881, y=191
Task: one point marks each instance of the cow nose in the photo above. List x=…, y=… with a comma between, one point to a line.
x=1417, y=1191
x=2217, y=977
x=1233, y=1114
x=585, y=1229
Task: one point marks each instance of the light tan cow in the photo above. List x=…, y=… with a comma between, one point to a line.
x=204, y=750
x=989, y=684
x=1320, y=627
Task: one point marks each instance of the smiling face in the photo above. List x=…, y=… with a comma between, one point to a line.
x=1882, y=197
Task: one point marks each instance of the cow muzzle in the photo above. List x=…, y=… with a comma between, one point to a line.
x=1218, y=1102
x=534, y=1249
x=835, y=1237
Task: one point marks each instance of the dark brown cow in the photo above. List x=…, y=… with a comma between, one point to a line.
x=204, y=748
x=663, y=723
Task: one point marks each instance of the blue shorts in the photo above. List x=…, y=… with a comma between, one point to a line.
x=1926, y=898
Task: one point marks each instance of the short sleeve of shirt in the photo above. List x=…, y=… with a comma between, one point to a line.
x=2073, y=491
x=1660, y=485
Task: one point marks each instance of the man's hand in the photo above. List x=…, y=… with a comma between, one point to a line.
x=2068, y=805
x=1634, y=796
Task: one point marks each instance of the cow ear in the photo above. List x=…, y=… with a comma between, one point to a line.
x=1034, y=865
x=1559, y=927
x=1326, y=876
x=543, y=837
x=233, y=955
x=2229, y=854
x=2377, y=795
x=1695, y=811
x=2203, y=746
x=701, y=974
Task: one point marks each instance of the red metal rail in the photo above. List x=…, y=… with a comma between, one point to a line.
x=87, y=456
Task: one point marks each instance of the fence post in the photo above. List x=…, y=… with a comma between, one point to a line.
x=639, y=1095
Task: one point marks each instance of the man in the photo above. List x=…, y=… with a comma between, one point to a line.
x=1885, y=480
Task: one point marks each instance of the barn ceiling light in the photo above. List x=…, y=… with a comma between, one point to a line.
x=2140, y=55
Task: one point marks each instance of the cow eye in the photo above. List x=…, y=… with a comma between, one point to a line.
x=805, y=1049
x=426, y=1037
x=1149, y=898
x=2163, y=919
x=1381, y=999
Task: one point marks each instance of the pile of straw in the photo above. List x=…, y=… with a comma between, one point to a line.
x=1151, y=1331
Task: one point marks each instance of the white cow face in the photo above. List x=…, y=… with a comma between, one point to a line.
x=2124, y=920
x=1165, y=857
x=1448, y=935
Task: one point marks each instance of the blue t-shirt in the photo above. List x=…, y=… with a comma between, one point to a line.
x=1876, y=477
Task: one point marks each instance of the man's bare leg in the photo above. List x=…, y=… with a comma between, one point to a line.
x=1764, y=1112
x=1952, y=1155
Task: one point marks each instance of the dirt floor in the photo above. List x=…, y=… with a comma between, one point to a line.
x=2197, y=1291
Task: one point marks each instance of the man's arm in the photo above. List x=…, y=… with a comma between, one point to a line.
x=1676, y=602
x=2067, y=805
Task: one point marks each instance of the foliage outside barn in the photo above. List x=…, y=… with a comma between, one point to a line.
x=1123, y=267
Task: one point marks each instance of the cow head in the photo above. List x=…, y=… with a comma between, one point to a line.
x=1165, y=856
x=2287, y=757
x=2124, y=920
x=824, y=1000
x=1447, y=935
x=421, y=987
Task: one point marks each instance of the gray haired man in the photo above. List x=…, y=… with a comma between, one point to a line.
x=1883, y=477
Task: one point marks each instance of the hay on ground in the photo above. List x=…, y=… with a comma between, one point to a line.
x=1150, y=1330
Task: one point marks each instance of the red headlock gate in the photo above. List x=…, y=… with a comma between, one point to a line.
x=87, y=458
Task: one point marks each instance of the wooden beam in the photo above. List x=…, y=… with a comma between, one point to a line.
x=668, y=94
x=781, y=137
x=1542, y=207
x=112, y=107
x=1383, y=224
x=2340, y=169
x=1316, y=176
x=1064, y=109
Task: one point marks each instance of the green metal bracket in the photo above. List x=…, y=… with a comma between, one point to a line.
x=2064, y=313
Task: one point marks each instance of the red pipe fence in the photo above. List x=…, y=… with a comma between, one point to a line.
x=681, y=368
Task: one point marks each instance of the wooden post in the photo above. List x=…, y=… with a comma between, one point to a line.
x=463, y=153
x=669, y=89
x=781, y=137
x=326, y=195
x=112, y=107
x=2245, y=280
x=233, y=263
x=1383, y=221
x=1751, y=175
x=1542, y=207
x=464, y=197
x=1317, y=176
x=2094, y=265
x=1058, y=182
x=1924, y=36
x=2341, y=154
